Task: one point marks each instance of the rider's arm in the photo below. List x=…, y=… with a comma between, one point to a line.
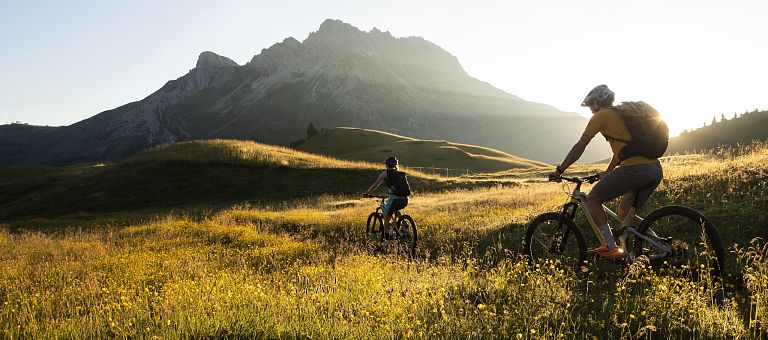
x=612, y=165
x=576, y=151
x=374, y=186
x=614, y=162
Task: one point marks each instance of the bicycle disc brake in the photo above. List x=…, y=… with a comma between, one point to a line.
x=678, y=254
x=557, y=241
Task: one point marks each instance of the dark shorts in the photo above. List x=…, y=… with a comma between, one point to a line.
x=641, y=178
x=394, y=204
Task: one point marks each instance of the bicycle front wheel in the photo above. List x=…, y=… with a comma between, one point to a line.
x=693, y=244
x=374, y=224
x=553, y=237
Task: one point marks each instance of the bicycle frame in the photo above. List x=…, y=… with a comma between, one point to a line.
x=578, y=199
x=383, y=204
x=393, y=218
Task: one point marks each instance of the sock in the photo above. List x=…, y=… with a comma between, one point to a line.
x=605, y=229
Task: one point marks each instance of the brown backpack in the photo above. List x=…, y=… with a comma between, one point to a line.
x=649, y=133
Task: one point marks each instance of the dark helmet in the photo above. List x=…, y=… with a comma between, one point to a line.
x=391, y=161
x=600, y=95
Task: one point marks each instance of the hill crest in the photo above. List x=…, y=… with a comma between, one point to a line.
x=374, y=146
x=207, y=175
x=740, y=130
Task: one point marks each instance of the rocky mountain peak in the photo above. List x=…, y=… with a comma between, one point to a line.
x=209, y=59
x=337, y=27
x=335, y=34
x=291, y=42
x=276, y=56
x=375, y=32
x=211, y=70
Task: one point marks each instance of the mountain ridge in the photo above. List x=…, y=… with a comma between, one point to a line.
x=739, y=130
x=337, y=76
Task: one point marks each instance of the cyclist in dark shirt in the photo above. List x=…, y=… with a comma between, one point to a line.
x=394, y=202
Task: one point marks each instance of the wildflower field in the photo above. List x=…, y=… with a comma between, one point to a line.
x=303, y=268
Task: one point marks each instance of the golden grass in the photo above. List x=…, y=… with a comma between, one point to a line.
x=303, y=270
x=243, y=152
x=224, y=151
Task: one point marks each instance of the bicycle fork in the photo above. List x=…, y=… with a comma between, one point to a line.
x=569, y=212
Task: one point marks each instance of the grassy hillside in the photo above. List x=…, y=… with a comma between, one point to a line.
x=730, y=132
x=304, y=269
x=192, y=175
x=375, y=146
x=14, y=138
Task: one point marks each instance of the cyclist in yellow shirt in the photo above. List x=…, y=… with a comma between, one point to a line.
x=634, y=180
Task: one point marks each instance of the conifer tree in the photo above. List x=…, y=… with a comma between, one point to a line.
x=312, y=131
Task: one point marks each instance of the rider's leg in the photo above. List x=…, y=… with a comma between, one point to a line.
x=387, y=211
x=397, y=204
x=642, y=194
x=393, y=221
x=388, y=223
x=596, y=212
x=642, y=177
x=625, y=204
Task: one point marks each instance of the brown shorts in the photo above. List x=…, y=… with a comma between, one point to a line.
x=641, y=178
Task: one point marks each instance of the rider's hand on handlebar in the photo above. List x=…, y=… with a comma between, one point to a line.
x=602, y=174
x=367, y=195
x=555, y=177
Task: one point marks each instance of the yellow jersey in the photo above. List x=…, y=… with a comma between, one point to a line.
x=608, y=122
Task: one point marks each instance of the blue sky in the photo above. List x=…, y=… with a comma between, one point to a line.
x=62, y=62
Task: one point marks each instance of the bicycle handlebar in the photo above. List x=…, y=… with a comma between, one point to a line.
x=375, y=196
x=588, y=179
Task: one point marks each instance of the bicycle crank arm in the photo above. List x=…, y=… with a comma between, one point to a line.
x=650, y=240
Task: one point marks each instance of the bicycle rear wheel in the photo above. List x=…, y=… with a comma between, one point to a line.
x=552, y=236
x=696, y=248
x=408, y=234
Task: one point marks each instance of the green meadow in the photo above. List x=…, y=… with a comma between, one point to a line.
x=243, y=240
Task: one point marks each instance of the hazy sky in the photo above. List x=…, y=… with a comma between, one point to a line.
x=63, y=61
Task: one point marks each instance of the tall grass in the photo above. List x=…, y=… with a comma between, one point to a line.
x=178, y=278
x=304, y=270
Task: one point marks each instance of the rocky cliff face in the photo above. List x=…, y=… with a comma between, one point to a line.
x=337, y=76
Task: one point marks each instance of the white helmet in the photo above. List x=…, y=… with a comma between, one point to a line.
x=601, y=94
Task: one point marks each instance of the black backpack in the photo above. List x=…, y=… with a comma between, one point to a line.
x=649, y=133
x=397, y=182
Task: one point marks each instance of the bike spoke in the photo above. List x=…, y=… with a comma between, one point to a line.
x=543, y=246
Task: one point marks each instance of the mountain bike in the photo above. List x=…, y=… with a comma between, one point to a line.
x=671, y=236
x=404, y=227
